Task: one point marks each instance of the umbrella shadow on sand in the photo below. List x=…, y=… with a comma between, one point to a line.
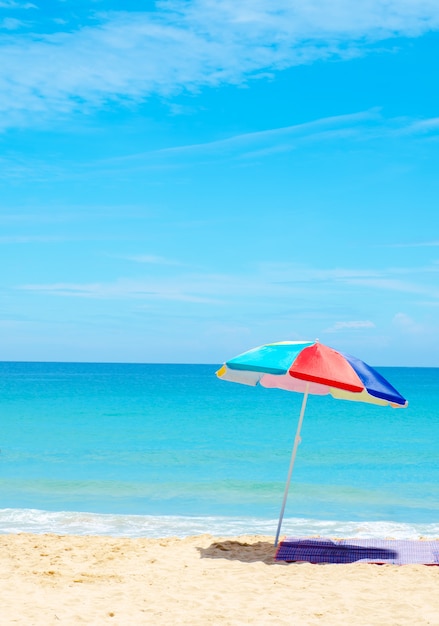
x=299, y=551
x=233, y=550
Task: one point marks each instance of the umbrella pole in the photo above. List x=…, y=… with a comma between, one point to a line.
x=293, y=458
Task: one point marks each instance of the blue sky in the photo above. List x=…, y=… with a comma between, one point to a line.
x=181, y=181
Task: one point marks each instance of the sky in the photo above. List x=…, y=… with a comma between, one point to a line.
x=183, y=180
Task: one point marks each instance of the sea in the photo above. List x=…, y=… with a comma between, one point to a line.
x=159, y=450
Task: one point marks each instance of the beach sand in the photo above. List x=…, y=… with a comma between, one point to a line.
x=50, y=580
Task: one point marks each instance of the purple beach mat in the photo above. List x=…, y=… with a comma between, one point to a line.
x=392, y=551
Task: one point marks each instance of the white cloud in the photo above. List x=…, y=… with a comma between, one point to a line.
x=352, y=325
x=418, y=244
x=362, y=126
x=151, y=259
x=187, y=45
x=264, y=142
x=10, y=23
x=125, y=289
x=405, y=323
x=391, y=284
x=384, y=279
x=18, y=239
x=267, y=285
x=11, y=4
x=425, y=125
x=287, y=135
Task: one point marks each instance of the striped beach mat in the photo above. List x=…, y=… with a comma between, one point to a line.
x=393, y=551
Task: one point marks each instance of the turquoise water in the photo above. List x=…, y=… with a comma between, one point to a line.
x=132, y=449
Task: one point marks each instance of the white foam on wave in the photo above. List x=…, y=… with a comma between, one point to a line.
x=14, y=521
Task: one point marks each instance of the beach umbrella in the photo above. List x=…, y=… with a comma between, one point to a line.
x=309, y=367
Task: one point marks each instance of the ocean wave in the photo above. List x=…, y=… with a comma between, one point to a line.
x=36, y=521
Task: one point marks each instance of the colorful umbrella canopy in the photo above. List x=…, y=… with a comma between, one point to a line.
x=310, y=367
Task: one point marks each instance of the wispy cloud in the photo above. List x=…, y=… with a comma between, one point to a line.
x=336, y=124
x=266, y=285
x=17, y=239
x=283, y=138
x=29, y=239
x=363, y=126
x=351, y=325
x=12, y=4
x=360, y=127
x=426, y=126
x=124, y=289
x=416, y=244
x=404, y=322
x=10, y=23
x=199, y=43
x=151, y=259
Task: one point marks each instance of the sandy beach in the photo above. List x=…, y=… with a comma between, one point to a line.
x=52, y=579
